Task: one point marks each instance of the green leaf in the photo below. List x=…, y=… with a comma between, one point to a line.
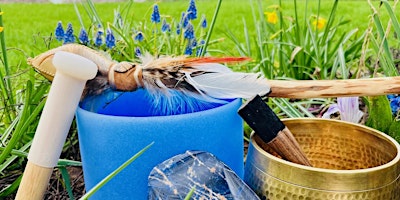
x=18, y=132
x=342, y=63
x=384, y=45
x=14, y=155
x=11, y=188
x=65, y=162
x=190, y=194
x=394, y=130
x=114, y=173
x=67, y=182
x=287, y=108
x=380, y=114
x=211, y=27
x=393, y=17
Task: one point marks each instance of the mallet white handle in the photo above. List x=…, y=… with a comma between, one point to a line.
x=72, y=73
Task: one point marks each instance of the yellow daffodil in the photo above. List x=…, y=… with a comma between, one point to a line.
x=319, y=23
x=272, y=17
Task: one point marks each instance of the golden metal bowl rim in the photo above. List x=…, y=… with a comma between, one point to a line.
x=394, y=161
x=391, y=169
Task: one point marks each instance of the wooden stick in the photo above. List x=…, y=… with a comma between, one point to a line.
x=72, y=73
x=272, y=131
x=301, y=89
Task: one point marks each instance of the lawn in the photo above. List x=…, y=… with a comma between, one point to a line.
x=27, y=25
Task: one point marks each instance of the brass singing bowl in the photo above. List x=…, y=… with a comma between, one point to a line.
x=350, y=161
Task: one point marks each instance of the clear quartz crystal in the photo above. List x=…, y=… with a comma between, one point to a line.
x=211, y=178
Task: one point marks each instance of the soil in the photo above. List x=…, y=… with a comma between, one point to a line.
x=56, y=187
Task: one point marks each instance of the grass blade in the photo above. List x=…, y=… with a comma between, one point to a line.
x=5, y=84
x=342, y=63
x=383, y=60
x=7, y=133
x=27, y=117
x=304, y=110
x=15, y=154
x=17, y=134
x=11, y=188
x=65, y=162
x=4, y=50
x=286, y=107
x=395, y=22
x=247, y=38
x=189, y=195
x=214, y=19
x=114, y=173
x=384, y=43
x=67, y=181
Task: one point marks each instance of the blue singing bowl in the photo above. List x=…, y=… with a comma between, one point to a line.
x=120, y=129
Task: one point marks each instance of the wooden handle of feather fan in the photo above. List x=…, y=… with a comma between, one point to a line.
x=334, y=88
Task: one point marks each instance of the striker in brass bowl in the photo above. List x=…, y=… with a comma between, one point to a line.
x=350, y=161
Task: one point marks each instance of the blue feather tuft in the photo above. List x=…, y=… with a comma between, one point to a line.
x=175, y=102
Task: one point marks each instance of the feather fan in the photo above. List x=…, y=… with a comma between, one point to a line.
x=170, y=81
x=203, y=76
x=180, y=84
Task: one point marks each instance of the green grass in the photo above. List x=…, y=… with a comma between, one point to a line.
x=29, y=25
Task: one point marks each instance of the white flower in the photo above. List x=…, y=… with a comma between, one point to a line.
x=348, y=109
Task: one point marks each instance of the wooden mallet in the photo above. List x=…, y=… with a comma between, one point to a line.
x=72, y=73
x=272, y=131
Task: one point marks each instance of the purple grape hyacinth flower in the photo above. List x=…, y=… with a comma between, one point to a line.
x=83, y=36
x=348, y=107
x=202, y=42
x=139, y=36
x=59, y=33
x=165, y=27
x=189, y=32
x=204, y=22
x=192, y=10
x=98, y=41
x=188, y=50
x=394, y=103
x=199, y=50
x=138, y=53
x=178, y=29
x=194, y=42
x=110, y=39
x=69, y=34
x=155, y=16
